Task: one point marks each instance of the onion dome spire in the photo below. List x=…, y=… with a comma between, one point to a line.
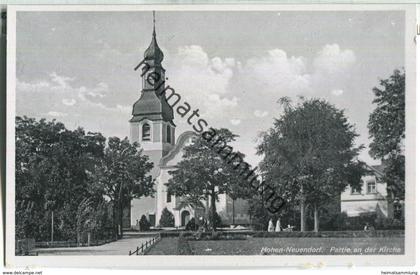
x=153, y=52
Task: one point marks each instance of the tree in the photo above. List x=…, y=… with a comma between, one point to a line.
x=309, y=155
x=387, y=128
x=123, y=175
x=167, y=218
x=52, y=177
x=203, y=173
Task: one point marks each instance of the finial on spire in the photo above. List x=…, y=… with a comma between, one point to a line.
x=154, y=23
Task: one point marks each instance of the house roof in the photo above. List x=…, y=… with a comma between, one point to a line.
x=378, y=169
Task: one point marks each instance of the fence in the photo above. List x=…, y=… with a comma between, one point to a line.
x=141, y=250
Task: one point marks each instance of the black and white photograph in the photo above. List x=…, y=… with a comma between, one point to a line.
x=142, y=132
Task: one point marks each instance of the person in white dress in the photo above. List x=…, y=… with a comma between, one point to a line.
x=278, y=225
x=270, y=226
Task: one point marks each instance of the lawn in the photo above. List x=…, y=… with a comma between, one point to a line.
x=166, y=246
x=287, y=246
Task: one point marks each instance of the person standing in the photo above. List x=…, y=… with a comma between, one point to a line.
x=270, y=226
x=278, y=225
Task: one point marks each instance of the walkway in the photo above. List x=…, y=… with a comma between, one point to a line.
x=120, y=247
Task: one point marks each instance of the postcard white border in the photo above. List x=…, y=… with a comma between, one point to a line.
x=213, y=261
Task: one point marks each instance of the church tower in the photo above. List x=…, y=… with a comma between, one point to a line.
x=152, y=123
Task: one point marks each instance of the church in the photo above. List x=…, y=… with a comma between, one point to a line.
x=152, y=126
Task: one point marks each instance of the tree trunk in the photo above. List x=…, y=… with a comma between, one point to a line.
x=207, y=214
x=114, y=220
x=316, y=218
x=213, y=210
x=302, y=215
x=121, y=219
x=78, y=238
x=233, y=211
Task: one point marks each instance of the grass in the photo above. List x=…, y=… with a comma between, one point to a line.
x=166, y=246
x=286, y=246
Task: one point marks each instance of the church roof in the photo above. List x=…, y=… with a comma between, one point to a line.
x=151, y=106
x=181, y=142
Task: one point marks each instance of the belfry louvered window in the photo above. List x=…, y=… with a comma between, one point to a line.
x=145, y=132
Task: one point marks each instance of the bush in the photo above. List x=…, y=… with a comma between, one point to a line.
x=191, y=225
x=389, y=224
x=167, y=218
x=341, y=221
x=331, y=234
x=144, y=224
x=337, y=221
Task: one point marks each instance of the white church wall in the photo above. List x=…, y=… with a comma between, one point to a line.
x=161, y=193
x=134, y=132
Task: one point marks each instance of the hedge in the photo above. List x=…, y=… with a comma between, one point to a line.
x=330, y=234
x=294, y=234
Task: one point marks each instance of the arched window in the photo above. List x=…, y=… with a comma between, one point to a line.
x=168, y=134
x=145, y=132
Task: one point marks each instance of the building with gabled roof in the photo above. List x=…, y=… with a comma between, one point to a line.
x=373, y=197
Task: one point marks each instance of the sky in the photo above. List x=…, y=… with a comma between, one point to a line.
x=78, y=67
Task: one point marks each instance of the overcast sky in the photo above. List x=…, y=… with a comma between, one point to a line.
x=232, y=66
